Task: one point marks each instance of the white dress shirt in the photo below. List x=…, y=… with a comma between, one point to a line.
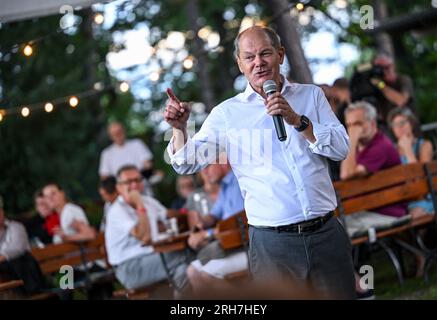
x=133, y=152
x=120, y=244
x=281, y=182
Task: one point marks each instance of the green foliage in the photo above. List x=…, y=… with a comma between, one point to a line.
x=62, y=146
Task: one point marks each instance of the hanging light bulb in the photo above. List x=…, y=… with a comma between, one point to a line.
x=25, y=111
x=154, y=76
x=300, y=6
x=99, y=18
x=48, y=107
x=28, y=50
x=188, y=63
x=124, y=86
x=73, y=102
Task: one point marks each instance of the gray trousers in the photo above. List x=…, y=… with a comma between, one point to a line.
x=148, y=269
x=321, y=259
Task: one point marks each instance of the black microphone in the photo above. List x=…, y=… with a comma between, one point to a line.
x=269, y=88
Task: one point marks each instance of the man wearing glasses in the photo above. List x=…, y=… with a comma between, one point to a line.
x=131, y=226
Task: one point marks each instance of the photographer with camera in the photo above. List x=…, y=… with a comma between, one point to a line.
x=380, y=85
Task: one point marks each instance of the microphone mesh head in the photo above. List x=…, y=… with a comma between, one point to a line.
x=269, y=87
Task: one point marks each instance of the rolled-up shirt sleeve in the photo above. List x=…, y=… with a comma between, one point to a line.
x=332, y=141
x=201, y=149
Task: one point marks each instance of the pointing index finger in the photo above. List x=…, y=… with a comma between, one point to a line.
x=171, y=95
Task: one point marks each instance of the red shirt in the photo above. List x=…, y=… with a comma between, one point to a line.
x=378, y=155
x=51, y=222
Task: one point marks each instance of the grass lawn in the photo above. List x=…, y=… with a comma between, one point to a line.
x=387, y=286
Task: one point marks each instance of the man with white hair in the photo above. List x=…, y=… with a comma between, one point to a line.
x=371, y=151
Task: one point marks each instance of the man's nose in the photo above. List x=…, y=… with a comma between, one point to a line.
x=259, y=61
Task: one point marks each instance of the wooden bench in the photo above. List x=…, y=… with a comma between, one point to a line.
x=403, y=183
x=233, y=233
x=53, y=256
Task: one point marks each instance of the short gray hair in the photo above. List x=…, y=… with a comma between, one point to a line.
x=275, y=40
x=369, y=110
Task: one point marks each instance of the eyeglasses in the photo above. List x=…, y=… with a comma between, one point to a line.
x=129, y=181
x=399, y=124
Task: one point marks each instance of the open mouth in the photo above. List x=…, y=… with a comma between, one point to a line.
x=262, y=73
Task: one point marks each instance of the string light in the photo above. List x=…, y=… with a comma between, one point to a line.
x=73, y=101
x=124, y=86
x=28, y=50
x=1, y=116
x=188, y=63
x=154, y=76
x=25, y=111
x=99, y=18
x=48, y=107
x=300, y=6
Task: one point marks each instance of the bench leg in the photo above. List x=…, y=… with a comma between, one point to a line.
x=394, y=260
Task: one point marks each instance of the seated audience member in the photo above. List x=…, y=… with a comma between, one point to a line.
x=40, y=228
x=412, y=148
x=212, y=263
x=74, y=224
x=185, y=185
x=131, y=227
x=13, y=238
x=370, y=151
x=201, y=201
x=108, y=192
x=15, y=260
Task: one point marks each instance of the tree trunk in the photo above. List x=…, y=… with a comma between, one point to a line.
x=287, y=30
x=383, y=40
x=207, y=91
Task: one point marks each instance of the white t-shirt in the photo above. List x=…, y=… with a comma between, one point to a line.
x=121, y=218
x=69, y=213
x=133, y=152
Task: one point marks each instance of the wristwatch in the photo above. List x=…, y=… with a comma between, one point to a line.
x=304, y=123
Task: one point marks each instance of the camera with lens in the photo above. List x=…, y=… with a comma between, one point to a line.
x=360, y=86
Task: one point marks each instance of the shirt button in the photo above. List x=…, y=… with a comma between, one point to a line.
x=301, y=189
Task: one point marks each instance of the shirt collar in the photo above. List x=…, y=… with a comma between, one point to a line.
x=250, y=94
x=228, y=178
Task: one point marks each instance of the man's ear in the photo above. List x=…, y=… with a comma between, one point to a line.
x=239, y=66
x=281, y=52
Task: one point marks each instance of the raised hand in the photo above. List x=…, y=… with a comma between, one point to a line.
x=176, y=112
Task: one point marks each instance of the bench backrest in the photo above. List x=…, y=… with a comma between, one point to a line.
x=402, y=183
x=230, y=231
x=53, y=256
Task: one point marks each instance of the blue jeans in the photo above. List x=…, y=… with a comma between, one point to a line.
x=321, y=259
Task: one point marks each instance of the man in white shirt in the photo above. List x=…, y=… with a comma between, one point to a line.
x=287, y=191
x=123, y=152
x=131, y=227
x=74, y=224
